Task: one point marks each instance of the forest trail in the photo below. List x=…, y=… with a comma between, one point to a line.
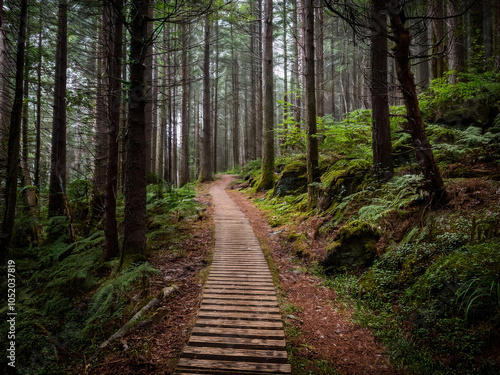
x=239, y=327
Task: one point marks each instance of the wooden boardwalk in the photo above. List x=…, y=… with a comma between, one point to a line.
x=239, y=328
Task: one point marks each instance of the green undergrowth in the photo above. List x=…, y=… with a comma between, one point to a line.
x=433, y=294
x=69, y=300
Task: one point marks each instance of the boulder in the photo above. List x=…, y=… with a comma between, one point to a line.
x=293, y=179
x=354, y=247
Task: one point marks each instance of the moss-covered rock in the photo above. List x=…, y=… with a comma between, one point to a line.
x=355, y=247
x=293, y=179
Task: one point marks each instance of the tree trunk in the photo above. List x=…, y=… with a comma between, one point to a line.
x=401, y=36
x=134, y=241
x=154, y=116
x=260, y=104
x=285, y=79
x=184, y=175
x=267, y=177
x=295, y=68
x=29, y=191
x=423, y=73
x=457, y=55
x=148, y=61
x=57, y=184
x=496, y=34
x=5, y=97
x=101, y=120
x=253, y=84
x=14, y=139
x=320, y=74
x=313, y=175
x=236, y=117
x=114, y=101
x=206, y=159
x=216, y=99
x=381, y=129
x=438, y=39
x=38, y=108
x=332, y=73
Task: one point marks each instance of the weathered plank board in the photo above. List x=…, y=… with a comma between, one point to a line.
x=239, y=328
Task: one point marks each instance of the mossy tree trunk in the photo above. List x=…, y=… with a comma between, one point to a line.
x=267, y=175
x=401, y=36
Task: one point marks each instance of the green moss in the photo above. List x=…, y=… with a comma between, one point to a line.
x=357, y=229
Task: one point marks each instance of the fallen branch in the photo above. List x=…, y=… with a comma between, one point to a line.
x=134, y=321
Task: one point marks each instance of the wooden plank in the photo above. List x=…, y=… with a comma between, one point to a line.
x=241, y=292
x=236, y=308
x=240, y=315
x=243, y=355
x=240, y=332
x=229, y=298
x=261, y=324
x=240, y=302
x=229, y=286
x=237, y=367
x=247, y=342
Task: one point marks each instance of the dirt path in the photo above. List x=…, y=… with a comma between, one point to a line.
x=239, y=327
x=321, y=334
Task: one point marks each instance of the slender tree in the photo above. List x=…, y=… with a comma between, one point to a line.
x=184, y=170
x=381, y=129
x=320, y=69
x=14, y=138
x=114, y=100
x=267, y=175
x=401, y=37
x=313, y=175
x=206, y=160
x=57, y=184
x=134, y=223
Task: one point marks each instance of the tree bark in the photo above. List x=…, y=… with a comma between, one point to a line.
x=38, y=125
x=260, y=98
x=101, y=120
x=134, y=241
x=496, y=34
x=184, y=172
x=5, y=97
x=381, y=130
x=114, y=101
x=57, y=184
x=148, y=61
x=267, y=175
x=434, y=184
x=253, y=84
x=295, y=69
x=206, y=160
x=236, y=107
x=14, y=139
x=313, y=175
x=438, y=38
x=216, y=99
x=457, y=55
x=320, y=73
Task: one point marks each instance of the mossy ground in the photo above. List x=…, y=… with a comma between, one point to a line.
x=69, y=300
x=433, y=294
